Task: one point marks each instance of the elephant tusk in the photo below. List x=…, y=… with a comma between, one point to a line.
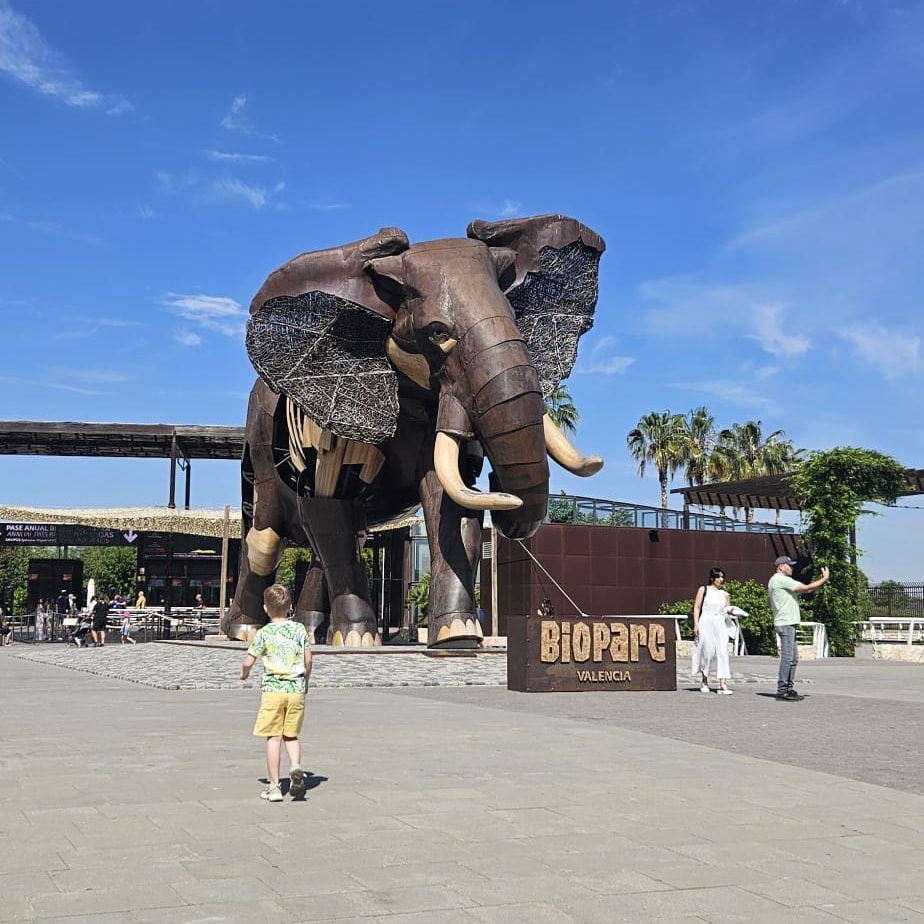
x=566, y=455
x=446, y=466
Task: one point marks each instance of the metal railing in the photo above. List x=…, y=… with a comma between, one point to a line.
x=591, y=511
x=894, y=600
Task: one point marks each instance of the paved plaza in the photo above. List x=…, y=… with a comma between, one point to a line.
x=131, y=794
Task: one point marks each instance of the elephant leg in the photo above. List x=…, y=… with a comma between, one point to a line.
x=333, y=526
x=455, y=550
x=262, y=549
x=313, y=605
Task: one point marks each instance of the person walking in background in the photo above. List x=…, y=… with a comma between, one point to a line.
x=126, y=631
x=40, y=621
x=783, y=591
x=100, y=621
x=141, y=601
x=6, y=630
x=710, y=607
x=283, y=646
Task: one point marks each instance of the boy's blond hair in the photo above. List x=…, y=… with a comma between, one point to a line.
x=277, y=601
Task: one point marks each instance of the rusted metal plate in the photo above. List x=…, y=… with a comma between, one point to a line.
x=576, y=654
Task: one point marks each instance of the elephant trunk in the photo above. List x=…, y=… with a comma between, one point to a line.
x=505, y=413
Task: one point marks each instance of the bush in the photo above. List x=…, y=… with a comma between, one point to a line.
x=679, y=608
x=756, y=627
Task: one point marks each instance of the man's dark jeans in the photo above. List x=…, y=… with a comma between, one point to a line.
x=789, y=658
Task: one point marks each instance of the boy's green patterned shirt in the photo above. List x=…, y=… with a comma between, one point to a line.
x=281, y=647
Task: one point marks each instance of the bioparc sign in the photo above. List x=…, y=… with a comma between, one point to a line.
x=591, y=653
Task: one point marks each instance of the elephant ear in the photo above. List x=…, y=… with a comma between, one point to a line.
x=554, y=291
x=328, y=355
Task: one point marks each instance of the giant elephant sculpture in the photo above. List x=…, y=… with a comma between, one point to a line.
x=387, y=372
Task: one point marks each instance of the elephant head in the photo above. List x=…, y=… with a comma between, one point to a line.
x=486, y=326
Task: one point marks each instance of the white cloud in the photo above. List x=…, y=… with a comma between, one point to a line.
x=893, y=353
x=216, y=313
x=235, y=120
x=26, y=57
x=767, y=321
x=511, y=209
x=231, y=188
x=687, y=308
x=602, y=361
x=187, y=337
x=172, y=184
x=46, y=382
x=235, y=158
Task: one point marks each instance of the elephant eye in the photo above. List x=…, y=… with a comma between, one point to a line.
x=438, y=333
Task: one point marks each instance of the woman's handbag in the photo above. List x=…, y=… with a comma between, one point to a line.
x=690, y=614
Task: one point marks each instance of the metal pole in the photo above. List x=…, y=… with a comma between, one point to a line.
x=223, y=590
x=495, y=625
x=171, y=502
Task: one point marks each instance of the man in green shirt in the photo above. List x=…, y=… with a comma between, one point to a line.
x=784, y=590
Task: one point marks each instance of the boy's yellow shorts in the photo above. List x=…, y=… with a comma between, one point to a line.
x=280, y=714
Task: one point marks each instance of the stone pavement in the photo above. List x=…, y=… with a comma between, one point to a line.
x=439, y=796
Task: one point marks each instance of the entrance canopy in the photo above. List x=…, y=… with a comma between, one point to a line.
x=116, y=440
x=138, y=519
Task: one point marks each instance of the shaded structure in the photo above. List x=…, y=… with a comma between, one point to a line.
x=180, y=444
x=769, y=492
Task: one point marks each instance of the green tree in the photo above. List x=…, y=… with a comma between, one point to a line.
x=285, y=573
x=832, y=488
x=562, y=409
x=114, y=569
x=561, y=509
x=659, y=439
x=418, y=596
x=14, y=572
x=701, y=439
x=742, y=451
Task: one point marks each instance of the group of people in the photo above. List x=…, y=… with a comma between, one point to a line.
x=48, y=611
x=712, y=612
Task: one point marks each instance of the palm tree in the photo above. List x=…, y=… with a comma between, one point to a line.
x=562, y=410
x=701, y=440
x=660, y=439
x=743, y=452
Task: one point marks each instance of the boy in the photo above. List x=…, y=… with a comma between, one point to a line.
x=283, y=646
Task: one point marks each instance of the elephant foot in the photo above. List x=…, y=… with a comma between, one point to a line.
x=241, y=631
x=455, y=630
x=310, y=619
x=354, y=635
x=352, y=623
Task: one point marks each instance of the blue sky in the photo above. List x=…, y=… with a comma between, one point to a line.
x=757, y=171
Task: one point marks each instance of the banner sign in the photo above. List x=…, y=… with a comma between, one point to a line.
x=584, y=653
x=64, y=534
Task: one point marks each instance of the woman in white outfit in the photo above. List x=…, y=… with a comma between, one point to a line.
x=711, y=633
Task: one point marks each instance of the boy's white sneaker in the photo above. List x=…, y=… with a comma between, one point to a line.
x=272, y=793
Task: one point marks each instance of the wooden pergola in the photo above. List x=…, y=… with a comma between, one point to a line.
x=768, y=492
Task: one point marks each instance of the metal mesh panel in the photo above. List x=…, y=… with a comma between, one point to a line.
x=328, y=355
x=554, y=306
